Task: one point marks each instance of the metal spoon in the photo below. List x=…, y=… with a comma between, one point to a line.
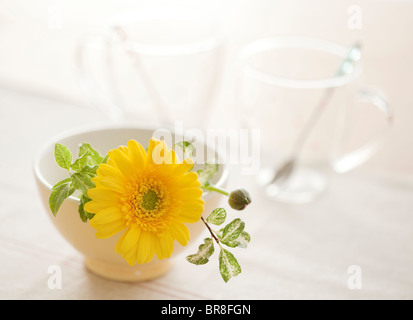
x=283, y=172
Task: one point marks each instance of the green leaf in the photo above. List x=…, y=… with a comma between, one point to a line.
x=63, y=156
x=187, y=147
x=84, y=215
x=217, y=216
x=242, y=241
x=82, y=181
x=60, y=192
x=204, y=252
x=82, y=212
x=94, y=155
x=90, y=170
x=231, y=231
x=205, y=175
x=83, y=161
x=228, y=265
x=89, y=215
x=85, y=200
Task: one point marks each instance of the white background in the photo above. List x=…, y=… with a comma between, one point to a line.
x=364, y=219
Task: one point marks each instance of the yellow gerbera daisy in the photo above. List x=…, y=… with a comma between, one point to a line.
x=150, y=195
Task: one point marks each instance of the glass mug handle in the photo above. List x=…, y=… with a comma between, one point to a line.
x=104, y=98
x=357, y=157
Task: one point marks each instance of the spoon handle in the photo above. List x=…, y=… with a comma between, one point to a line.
x=345, y=67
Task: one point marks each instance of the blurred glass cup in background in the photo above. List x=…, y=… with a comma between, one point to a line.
x=307, y=112
x=154, y=63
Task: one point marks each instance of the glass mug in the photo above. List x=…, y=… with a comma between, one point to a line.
x=305, y=97
x=154, y=64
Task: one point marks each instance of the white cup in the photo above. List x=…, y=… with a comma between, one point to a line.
x=100, y=255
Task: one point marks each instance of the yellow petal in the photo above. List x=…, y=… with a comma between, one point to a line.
x=120, y=241
x=137, y=154
x=107, y=215
x=183, y=167
x=103, y=194
x=191, y=211
x=180, y=232
x=95, y=206
x=191, y=193
x=124, y=149
x=130, y=254
x=112, y=183
x=131, y=240
x=164, y=245
x=189, y=179
x=122, y=162
x=109, y=229
x=130, y=257
x=156, y=152
x=146, y=249
x=110, y=171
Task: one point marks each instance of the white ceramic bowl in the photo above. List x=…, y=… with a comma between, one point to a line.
x=100, y=255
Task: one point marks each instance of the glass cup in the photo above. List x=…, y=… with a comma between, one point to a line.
x=305, y=96
x=154, y=64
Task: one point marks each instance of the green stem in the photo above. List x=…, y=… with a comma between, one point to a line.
x=216, y=189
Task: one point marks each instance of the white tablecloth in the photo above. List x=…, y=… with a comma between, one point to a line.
x=296, y=252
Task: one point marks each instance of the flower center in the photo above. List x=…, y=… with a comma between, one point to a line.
x=147, y=204
x=149, y=200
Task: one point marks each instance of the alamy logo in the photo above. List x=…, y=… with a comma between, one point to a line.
x=55, y=280
x=354, y=281
x=235, y=146
x=354, y=20
x=55, y=18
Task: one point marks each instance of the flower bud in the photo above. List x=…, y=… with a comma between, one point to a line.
x=239, y=199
